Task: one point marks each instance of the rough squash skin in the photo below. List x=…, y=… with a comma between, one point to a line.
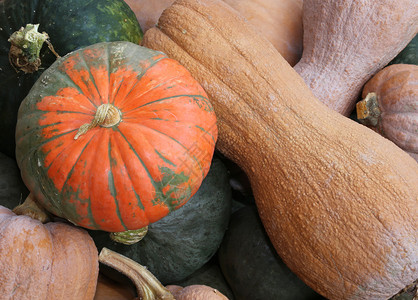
x=346, y=42
x=337, y=200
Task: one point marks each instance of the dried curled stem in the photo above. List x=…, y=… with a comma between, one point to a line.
x=148, y=287
x=26, y=45
x=106, y=115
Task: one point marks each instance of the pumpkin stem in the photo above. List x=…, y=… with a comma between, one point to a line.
x=106, y=115
x=129, y=237
x=148, y=287
x=26, y=45
x=368, y=111
x=32, y=209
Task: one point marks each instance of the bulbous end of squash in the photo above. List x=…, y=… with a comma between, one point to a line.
x=147, y=285
x=129, y=237
x=26, y=45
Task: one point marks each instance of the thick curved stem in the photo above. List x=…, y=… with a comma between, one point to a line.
x=148, y=287
x=26, y=45
x=32, y=209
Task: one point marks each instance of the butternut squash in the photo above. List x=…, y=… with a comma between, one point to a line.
x=337, y=200
x=346, y=42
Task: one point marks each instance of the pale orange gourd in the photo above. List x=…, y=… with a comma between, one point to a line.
x=338, y=200
x=51, y=261
x=280, y=21
x=346, y=42
x=195, y=292
x=390, y=105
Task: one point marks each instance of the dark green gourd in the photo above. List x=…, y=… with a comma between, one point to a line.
x=252, y=267
x=12, y=189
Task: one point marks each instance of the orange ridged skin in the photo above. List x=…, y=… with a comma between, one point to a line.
x=51, y=261
x=128, y=175
x=396, y=87
x=337, y=200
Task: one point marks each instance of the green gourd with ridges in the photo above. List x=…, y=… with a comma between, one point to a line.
x=70, y=24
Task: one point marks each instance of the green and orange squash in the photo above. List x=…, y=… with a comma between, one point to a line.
x=69, y=24
x=114, y=136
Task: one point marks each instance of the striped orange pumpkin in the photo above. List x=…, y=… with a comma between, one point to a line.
x=114, y=136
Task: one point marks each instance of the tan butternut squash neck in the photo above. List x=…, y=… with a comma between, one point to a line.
x=329, y=191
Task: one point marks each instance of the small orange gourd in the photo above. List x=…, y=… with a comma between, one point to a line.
x=337, y=200
x=346, y=42
x=195, y=292
x=45, y=261
x=390, y=105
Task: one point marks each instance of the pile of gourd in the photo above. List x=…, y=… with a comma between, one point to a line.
x=208, y=149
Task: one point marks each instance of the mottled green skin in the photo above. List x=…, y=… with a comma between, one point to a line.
x=186, y=239
x=12, y=189
x=251, y=265
x=409, y=55
x=70, y=24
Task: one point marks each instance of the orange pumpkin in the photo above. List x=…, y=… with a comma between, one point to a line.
x=114, y=136
x=390, y=105
x=51, y=261
x=195, y=292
